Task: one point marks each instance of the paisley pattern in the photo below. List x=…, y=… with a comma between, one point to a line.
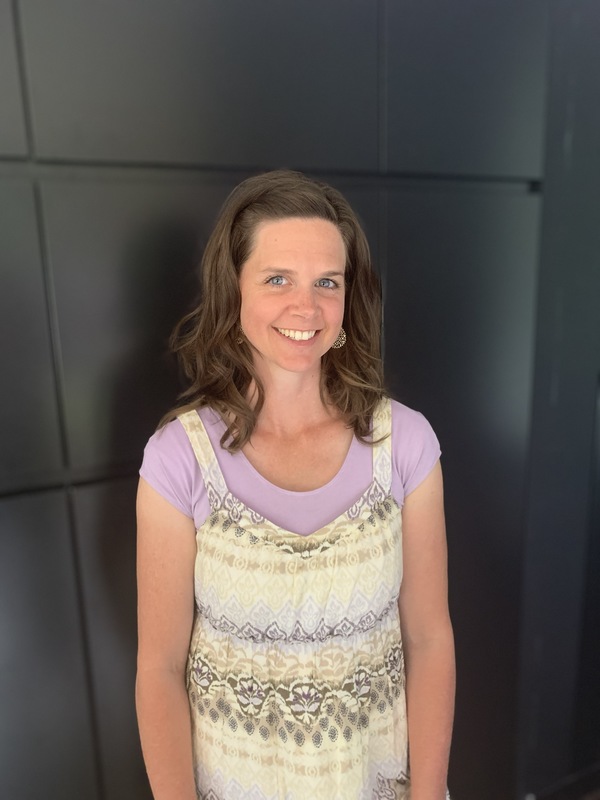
x=296, y=671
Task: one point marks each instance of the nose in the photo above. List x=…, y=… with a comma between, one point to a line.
x=305, y=301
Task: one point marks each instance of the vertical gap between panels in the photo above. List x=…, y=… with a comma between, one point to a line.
x=382, y=88
x=23, y=78
x=584, y=744
x=53, y=327
x=383, y=258
x=86, y=645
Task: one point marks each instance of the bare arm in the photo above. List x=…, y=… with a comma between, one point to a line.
x=165, y=568
x=427, y=637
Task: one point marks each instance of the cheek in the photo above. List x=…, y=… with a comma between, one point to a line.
x=256, y=310
x=246, y=319
x=338, y=307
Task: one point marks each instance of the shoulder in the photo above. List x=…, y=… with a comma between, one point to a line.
x=169, y=465
x=408, y=422
x=168, y=443
x=415, y=449
x=172, y=442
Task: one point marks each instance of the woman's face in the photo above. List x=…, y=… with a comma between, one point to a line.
x=292, y=289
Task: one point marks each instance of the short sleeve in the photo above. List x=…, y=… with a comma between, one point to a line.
x=415, y=450
x=169, y=466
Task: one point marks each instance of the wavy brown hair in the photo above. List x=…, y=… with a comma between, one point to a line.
x=219, y=368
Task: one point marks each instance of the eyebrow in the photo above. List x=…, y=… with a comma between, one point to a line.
x=332, y=273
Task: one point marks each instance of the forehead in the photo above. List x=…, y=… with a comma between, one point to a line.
x=300, y=235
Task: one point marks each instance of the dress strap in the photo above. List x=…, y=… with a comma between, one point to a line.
x=216, y=488
x=382, y=452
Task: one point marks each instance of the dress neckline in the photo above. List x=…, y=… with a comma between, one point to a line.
x=222, y=499
x=354, y=444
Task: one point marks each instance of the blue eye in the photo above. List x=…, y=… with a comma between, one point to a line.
x=276, y=280
x=327, y=283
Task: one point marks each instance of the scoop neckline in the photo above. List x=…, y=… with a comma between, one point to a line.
x=282, y=533
x=354, y=444
x=267, y=527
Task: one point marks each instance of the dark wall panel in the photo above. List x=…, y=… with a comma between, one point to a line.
x=459, y=332
x=105, y=523
x=465, y=86
x=123, y=257
x=366, y=203
x=196, y=81
x=13, y=140
x=560, y=690
x=30, y=451
x=213, y=89
x=45, y=730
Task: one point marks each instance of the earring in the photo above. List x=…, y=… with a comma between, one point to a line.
x=340, y=341
x=239, y=338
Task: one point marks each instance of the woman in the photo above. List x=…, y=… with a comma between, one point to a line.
x=291, y=553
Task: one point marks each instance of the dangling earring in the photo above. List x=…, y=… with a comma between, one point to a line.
x=239, y=338
x=340, y=341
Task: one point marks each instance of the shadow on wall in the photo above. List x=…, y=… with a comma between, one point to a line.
x=160, y=267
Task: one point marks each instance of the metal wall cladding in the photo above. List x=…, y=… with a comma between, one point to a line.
x=365, y=199
x=99, y=263
x=105, y=525
x=13, y=140
x=124, y=262
x=560, y=677
x=459, y=331
x=466, y=86
x=45, y=731
x=231, y=83
x=29, y=428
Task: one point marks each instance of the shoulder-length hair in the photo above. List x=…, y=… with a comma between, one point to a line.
x=217, y=361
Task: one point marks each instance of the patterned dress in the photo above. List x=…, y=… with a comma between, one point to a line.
x=296, y=672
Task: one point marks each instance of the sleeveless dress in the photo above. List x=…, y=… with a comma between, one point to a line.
x=295, y=673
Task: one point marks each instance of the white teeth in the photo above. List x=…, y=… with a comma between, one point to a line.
x=297, y=335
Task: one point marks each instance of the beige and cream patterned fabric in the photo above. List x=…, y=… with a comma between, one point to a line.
x=296, y=670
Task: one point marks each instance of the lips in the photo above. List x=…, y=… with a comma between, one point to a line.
x=298, y=336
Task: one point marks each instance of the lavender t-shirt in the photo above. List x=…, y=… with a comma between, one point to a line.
x=170, y=467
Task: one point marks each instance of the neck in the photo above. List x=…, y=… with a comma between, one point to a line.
x=292, y=403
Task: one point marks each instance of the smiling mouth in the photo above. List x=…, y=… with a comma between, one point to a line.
x=298, y=336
